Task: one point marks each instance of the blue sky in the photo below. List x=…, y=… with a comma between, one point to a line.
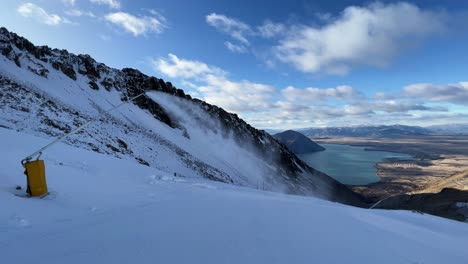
x=278, y=64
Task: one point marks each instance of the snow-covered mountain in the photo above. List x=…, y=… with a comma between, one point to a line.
x=47, y=92
x=392, y=131
x=450, y=129
x=107, y=210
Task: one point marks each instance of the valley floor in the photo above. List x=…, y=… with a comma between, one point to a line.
x=106, y=210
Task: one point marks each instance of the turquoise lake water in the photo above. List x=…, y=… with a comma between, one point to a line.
x=348, y=164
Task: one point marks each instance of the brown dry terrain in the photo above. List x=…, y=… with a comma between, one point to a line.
x=440, y=162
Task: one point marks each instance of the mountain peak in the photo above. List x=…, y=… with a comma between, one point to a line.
x=297, y=142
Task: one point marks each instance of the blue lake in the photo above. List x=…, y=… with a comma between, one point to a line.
x=348, y=164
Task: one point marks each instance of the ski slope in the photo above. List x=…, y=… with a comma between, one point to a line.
x=107, y=210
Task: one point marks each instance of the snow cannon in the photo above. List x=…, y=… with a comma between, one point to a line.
x=35, y=170
x=36, y=179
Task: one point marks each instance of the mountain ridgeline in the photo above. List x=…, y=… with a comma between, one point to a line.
x=48, y=92
x=392, y=131
x=297, y=142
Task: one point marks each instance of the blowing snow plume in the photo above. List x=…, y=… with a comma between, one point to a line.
x=47, y=92
x=215, y=143
x=251, y=157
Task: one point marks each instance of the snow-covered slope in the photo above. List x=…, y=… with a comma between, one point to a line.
x=47, y=92
x=107, y=210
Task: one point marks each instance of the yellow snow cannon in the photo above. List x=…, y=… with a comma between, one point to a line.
x=36, y=178
x=35, y=169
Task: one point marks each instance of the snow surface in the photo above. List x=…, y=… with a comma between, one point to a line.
x=107, y=210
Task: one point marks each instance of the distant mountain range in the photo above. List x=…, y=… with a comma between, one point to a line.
x=392, y=131
x=450, y=129
x=274, y=131
x=297, y=142
x=366, y=131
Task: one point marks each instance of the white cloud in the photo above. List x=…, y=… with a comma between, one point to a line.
x=137, y=25
x=235, y=48
x=390, y=106
x=239, y=97
x=456, y=93
x=182, y=68
x=104, y=37
x=79, y=13
x=324, y=17
x=115, y=4
x=37, y=13
x=289, y=115
x=342, y=92
x=270, y=29
x=215, y=88
x=231, y=26
x=401, y=106
x=357, y=109
x=371, y=35
x=267, y=107
x=157, y=15
x=69, y=2
x=189, y=84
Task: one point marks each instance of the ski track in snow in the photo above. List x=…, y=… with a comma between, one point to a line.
x=103, y=209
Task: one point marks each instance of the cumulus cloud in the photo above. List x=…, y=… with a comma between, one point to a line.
x=137, y=25
x=114, y=4
x=69, y=2
x=371, y=35
x=390, y=106
x=175, y=67
x=79, y=13
x=270, y=29
x=235, y=48
x=241, y=96
x=231, y=26
x=240, y=31
x=357, y=109
x=268, y=107
x=214, y=85
x=456, y=93
x=342, y=105
x=342, y=92
x=394, y=106
x=290, y=115
x=40, y=15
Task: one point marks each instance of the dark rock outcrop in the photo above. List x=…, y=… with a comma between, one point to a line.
x=449, y=203
x=297, y=142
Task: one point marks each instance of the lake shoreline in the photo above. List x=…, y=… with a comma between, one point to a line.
x=350, y=165
x=432, y=163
